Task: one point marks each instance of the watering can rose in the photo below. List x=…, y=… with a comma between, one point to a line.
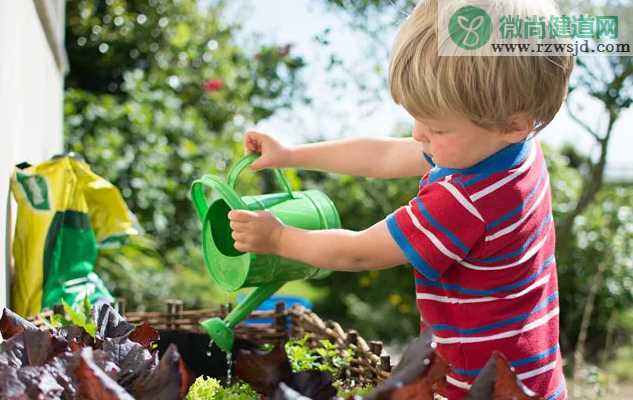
x=256, y=231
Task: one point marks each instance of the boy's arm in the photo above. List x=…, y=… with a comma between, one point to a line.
x=363, y=156
x=335, y=249
x=343, y=250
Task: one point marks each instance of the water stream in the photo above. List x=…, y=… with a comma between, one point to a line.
x=229, y=366
x=209, y=348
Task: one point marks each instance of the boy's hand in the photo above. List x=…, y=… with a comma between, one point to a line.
x=273, y=153
x=259, y=232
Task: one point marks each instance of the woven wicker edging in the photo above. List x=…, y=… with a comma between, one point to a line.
x=368, y=366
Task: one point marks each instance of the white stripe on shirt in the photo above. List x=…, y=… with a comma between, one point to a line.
x=457, y=300
x=524, y=167
x=476, y=339
x=445, y=251
x=461, y=199
x=537, y=371
x=526, y=256
x=515, y=225
x=457, y=382
x=525, y=375
x=440, y=246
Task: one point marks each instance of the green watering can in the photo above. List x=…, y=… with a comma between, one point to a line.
x=233, y=269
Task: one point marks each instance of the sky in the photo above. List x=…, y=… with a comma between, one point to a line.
x=298, y=21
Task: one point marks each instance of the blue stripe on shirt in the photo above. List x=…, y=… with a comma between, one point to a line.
x=412, y=255
x=518, y=363
x=559, y=390
x=475, y=179
x=536, y=357
x=487, y=292
x=498, y=324
x=546, y=222
x=440, y=227
x=524, y=202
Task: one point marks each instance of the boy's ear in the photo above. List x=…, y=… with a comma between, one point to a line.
x=517, y=127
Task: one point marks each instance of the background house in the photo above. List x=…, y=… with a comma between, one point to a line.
x=32, y=68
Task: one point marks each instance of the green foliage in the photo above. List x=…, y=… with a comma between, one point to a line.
x=348, y=393
x=621, y=366
x=603, y=233
x=81, y=317
x=203, y=388
x=208, y=388
x=158, y=95
x=324, y=357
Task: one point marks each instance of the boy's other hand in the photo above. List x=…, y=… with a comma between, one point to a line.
x=272, y=153
x=256, y=231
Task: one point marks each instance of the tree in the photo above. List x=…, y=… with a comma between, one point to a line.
x=158, y=94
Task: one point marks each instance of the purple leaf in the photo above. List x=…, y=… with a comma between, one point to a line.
x=10, y=385
x=284, y=392
x=42, y=346
x=169, y=381
x=109, y=323
x=12, y=353
x=144, y=334
x=11, y=324
x=96, y=384
x=40, y=383
x=133, y=360
x=418, y=374
x=316, y=385
x=62, y=368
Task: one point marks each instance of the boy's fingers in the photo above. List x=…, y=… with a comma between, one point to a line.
x=237, y=226
x=252, y=146
x=258, y=164
x=238, y=237
x=241, y=215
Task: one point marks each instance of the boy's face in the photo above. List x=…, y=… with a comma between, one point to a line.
x=455, y=142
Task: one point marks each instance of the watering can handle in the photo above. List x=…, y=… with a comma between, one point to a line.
x=247, y=160
x=200, y=199
x=198, y=186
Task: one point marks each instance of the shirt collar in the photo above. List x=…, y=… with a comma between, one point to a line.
x=504, y=159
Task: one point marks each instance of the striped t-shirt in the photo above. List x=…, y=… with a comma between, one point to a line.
x=481, y=240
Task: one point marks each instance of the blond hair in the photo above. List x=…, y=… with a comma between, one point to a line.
x=485, y=89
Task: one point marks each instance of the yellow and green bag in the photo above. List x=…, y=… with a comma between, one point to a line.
x=65, y=212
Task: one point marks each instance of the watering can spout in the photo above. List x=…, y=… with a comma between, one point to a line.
x=221, y=331
x=232, y=269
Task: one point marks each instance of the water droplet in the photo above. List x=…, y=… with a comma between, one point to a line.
x=229, y=365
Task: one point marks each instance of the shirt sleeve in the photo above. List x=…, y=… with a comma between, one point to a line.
x=437, y=228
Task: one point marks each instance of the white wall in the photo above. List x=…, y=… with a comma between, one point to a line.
x=32, y=64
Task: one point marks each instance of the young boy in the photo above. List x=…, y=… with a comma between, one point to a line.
x=479, y=233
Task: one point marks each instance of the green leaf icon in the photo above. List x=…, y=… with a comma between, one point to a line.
x=470, y=27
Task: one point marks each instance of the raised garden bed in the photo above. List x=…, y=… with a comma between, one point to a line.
x=117, y=359
x=369, y=365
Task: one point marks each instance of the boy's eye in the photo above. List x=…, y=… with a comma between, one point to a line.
x=437, y=131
